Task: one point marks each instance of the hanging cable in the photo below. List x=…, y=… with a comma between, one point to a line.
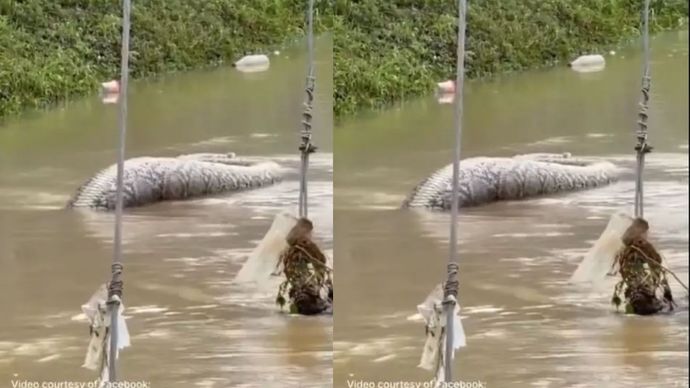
x=451, y=285
x=306, y=147
x=642, y=147
x=115, y=287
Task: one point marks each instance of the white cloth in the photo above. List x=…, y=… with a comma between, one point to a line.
x=96, y=310
x=433, y=312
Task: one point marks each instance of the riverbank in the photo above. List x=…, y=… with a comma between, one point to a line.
x=386, y=52
x=51, y=53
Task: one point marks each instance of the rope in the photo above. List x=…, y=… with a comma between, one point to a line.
x=306, y=147
x=642, y=147
x=115, y=287
x=451, y=287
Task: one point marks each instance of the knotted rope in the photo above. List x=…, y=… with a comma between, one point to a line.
x=450, y=287
x=115, y=285
x=306, y=147
x=642, y=147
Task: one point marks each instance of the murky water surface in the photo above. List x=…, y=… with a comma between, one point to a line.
x=525, y=325
x=189, y=325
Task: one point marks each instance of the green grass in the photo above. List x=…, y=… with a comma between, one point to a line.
x=388, y=51
x=54, y=50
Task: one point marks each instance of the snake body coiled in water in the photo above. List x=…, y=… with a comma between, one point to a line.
x=488, y=179
x=153, y=179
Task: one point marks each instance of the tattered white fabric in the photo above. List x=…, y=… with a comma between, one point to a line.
x=598, y=260
x=433, y=312
x=98, y=313
x=263, y=260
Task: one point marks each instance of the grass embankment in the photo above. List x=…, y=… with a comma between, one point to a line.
x=386, y=51
x=54, y=50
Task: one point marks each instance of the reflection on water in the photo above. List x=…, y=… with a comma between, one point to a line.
x=189, y=325
x=525, y=325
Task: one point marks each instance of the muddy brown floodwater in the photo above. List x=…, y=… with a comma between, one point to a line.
x=190, y=327
x=525, y=325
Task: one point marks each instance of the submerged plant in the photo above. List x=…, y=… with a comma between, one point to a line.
x=307, y=275
x=643, y=287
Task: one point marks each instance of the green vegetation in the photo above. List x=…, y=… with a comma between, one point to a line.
x=386, y=51
x=53, y=50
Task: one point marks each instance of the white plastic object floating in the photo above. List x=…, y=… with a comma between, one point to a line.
x=263, y=260
x=110, y=92
x=612, y=53
x=252, y=63
x=588, y=63
x=276, y=53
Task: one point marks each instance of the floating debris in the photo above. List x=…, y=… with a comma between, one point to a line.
x=588, y=60
x=111, y=87
x=110, y=92
x=588, y=63
x=252, y=63
x=643, y=288
x=445, y=87
x=445, y=92
x=308, y=288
